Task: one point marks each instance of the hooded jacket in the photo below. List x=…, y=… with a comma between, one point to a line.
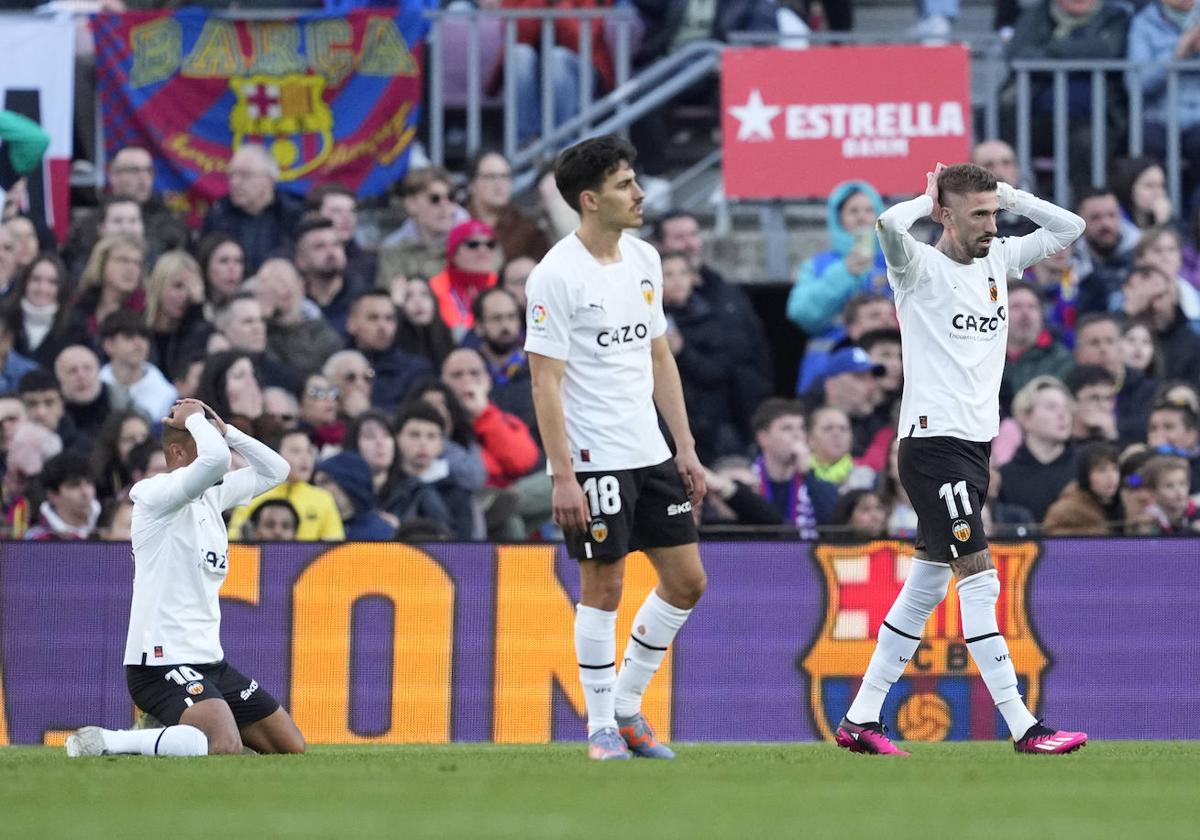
x=825, y=284
x=352, y=474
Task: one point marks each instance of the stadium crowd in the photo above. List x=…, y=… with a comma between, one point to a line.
x=395, y=384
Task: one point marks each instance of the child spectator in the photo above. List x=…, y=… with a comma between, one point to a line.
x=1090, y=505
x=1045, y=462
x=422, y=486
x=783, y=467
x=275, y=520
x=347, y=477
x=70, y=510
x=860, y=515
x=1172, y=510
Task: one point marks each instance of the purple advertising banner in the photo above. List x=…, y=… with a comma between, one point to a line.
x=387, y=643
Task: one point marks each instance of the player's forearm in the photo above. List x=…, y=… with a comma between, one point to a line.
x=552, y=424
x=1062, y=225
x=668, y=396
x=897, y=243
x=266, y=462
x=212, y=458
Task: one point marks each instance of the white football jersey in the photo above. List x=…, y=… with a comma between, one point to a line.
x=180, y=550
x=600, y=319
x=954, y=316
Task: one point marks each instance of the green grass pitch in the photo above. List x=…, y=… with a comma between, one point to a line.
x=964, y=790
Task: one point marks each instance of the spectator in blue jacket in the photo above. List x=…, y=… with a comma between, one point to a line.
x=348, y=479
x=829, y=279
x=1165, y=31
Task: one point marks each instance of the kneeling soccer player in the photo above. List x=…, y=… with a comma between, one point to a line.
x=174, y=664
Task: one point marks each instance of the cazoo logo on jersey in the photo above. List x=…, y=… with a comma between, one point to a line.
x=975, y=326
x=622, y=335
x=941, y=695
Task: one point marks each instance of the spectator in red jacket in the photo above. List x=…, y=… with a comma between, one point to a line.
x=509, y=451
x=470, y=268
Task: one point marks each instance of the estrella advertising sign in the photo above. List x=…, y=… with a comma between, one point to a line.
x=795, y=123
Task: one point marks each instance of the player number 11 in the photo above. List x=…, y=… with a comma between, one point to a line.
x=948, y=492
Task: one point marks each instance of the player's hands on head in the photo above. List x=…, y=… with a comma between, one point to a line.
x=931, y=190
x=692, y=473
x=569, y=505
x=215, y=419
x=182, y=410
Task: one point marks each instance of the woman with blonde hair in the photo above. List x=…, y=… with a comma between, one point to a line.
x=175, y=309
x=112, y=280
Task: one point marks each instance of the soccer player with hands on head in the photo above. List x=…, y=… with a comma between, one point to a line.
x=174, y=664
x=601, y=364
x=952, y=305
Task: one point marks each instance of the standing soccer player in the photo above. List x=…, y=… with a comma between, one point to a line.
x=600, y=363
x=174, y=664
x=952, y=302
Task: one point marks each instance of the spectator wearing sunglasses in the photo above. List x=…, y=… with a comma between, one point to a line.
x=418, y=247
x=470, y=269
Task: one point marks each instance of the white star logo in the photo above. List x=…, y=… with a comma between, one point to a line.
x=755, y=118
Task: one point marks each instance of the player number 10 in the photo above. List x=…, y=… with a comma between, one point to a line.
x=604, y=494
x=183, y=675
x=948, y=492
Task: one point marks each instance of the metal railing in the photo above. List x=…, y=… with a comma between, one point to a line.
x=1102, y=73
x=617, y=24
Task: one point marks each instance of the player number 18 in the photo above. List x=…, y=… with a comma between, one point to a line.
x=948, y=492
x=604, y=494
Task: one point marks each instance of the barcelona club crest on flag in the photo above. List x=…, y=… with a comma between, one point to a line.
x=941, y=696
x=288, y=111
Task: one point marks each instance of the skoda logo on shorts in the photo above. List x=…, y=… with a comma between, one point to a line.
x=599, y=530
x=195, y=688
x=961, y=529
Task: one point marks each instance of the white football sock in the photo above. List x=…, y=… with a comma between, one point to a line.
x=977, y=596
x=173, y=740
x=899, y=637
x=654, y=629
x=596, y=650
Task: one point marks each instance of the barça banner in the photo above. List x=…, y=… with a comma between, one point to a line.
x=390, y=643
x=336, y=98
x=795, y=123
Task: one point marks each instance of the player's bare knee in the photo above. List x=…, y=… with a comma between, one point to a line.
x=684, y=591
x=294, y=744
x=224, y=744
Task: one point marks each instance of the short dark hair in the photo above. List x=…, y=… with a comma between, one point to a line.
x=481, y=298
x=882, y=335
x=109, y=200
x=1189, y=418
x=66, y=468
x=1143, y=270
x=275, y=503
x=658, y=228
x=851, y=309
x=139, y=457
x=317, y=195
x=585, y=165
x=1084, y=376
x=374, y=292
x=1088, y=193
x=38, y=380
x=312, y=221
x=287, y=433
x=1090, y=318
x=1023, y=286
x=771, y=409
x=123, y=322
x=419, y=410
x=965, y=178
x=663, y=256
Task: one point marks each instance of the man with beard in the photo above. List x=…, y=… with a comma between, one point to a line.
x=321, y=261
x=498, y=324
x=1152, y=295
x=1106, y=254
